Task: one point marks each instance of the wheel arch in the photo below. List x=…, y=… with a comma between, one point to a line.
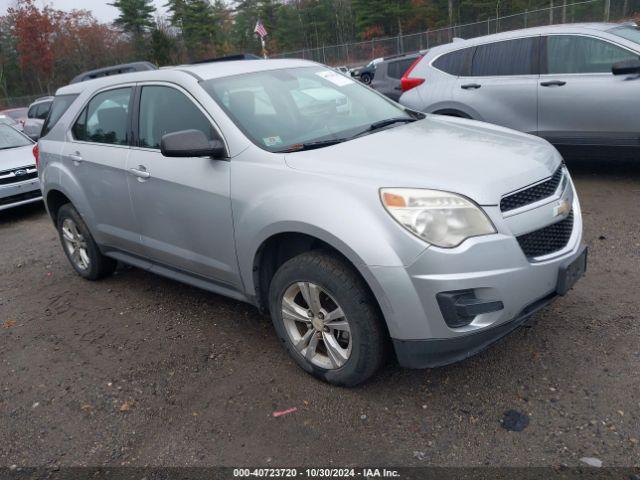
x=53, y=201
x=279, y=247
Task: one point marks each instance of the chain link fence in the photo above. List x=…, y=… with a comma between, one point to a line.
x=361, y=52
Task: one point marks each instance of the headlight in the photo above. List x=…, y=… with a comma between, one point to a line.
x=440, y=218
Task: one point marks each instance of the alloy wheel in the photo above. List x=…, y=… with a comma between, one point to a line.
x=316, y=325
x=75, y=244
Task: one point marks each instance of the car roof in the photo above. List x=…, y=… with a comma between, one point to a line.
x=200, y=71
x=561, y=28
x=41, y=100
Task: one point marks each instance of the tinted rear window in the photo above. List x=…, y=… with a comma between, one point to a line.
x=511, y=57
x=60, y=105
x=396, y=68
x=453, y=63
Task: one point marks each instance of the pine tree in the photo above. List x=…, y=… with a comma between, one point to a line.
x=136, y=18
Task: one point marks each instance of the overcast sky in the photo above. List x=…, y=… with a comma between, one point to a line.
x=100, y=8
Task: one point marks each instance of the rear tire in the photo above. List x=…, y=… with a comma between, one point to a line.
x=80, y=247
x=330, y=324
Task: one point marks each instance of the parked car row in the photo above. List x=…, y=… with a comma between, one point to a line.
x=576, y=85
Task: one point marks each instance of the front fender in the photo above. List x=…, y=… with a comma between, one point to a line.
x=342, y=212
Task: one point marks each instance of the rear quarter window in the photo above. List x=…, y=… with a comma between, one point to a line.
x=61, y=104
x=454, y=63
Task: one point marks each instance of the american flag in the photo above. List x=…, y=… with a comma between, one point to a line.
x=260, y=30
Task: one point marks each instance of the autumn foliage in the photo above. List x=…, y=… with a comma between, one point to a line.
x=43, y=48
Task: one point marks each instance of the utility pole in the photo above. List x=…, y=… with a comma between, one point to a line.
x=607, y=10
x=551, y=12
x=564, y=11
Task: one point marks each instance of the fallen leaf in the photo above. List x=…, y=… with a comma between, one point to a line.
x=126, y=406
x=8, y=324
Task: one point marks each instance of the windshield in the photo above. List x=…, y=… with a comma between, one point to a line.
x=7, y=120
x=627, y=32
x=10, y=138
x=280, y=109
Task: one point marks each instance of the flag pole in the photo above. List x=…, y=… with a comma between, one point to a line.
x=264, y=48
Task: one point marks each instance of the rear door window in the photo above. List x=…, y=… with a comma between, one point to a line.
x=508, y=58
x=60, y=105
x=166, y=110
x=578, y=54
x=43, y=110
x=105, y=118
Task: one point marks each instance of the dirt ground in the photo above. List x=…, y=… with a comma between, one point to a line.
x=140, y=370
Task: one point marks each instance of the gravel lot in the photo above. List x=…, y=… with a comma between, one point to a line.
x=140, y=370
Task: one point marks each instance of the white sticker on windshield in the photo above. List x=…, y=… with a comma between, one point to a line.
x=335, y=78
x=272, y=141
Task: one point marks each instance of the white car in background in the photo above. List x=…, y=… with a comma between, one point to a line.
x=19, y=182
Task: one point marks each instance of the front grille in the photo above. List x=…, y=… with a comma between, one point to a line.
x=21, y=197
x=532, y=194
x=547, y=240
x=23, y=173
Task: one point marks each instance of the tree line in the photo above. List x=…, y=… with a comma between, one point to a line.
x=43, y=48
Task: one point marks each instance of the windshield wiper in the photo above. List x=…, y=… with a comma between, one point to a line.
x=384, y=123
x=298, y=147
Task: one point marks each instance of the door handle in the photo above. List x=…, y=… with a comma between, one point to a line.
x=553, y=83
x=140, y=172
x=76, y=157
x=471, y=86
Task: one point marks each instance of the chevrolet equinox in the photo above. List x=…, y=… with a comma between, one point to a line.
x=362, y=227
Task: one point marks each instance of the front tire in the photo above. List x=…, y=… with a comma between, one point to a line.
x=80, y=247
x=366, y=78
x=327, y=319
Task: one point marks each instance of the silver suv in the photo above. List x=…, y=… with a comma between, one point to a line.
x=577, y=86
x=360, y=226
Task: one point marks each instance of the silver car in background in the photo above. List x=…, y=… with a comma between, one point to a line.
x=359, y=225
x=36, y=116
x=19, y=182
x=558, y=82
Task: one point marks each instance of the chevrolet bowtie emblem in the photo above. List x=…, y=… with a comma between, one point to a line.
x=562, y=208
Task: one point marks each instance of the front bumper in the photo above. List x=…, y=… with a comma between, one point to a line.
x=494, y=268
x=439, y=352
x=20, y=193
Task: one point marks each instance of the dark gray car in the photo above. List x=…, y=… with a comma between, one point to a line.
x=389, y=74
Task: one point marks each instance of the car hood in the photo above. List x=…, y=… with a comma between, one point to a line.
x=16, y=157
x=476, y=159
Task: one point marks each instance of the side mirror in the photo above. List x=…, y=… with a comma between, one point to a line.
x=628, y=67
x=191, y=143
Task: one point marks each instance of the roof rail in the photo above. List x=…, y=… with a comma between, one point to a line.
x=228, y=58
x=114, y=70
